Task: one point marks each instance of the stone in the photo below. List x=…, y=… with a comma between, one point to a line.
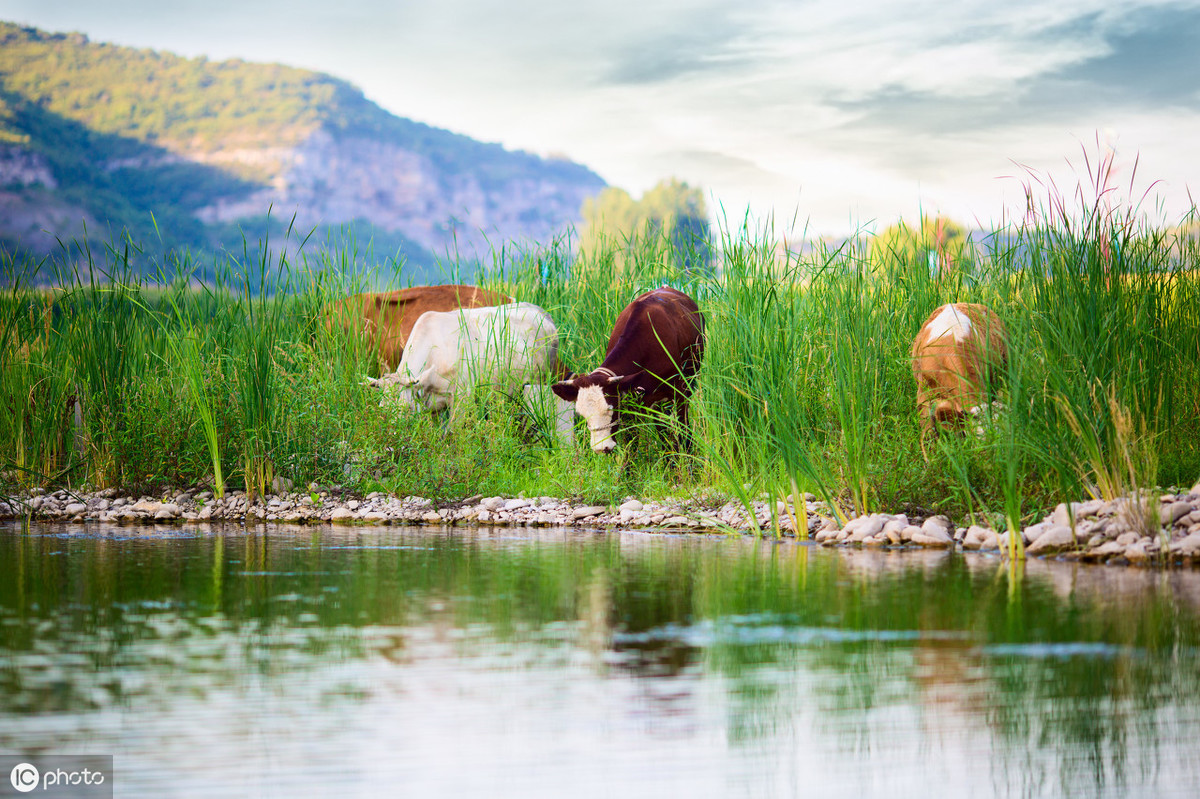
x=75, y=507
x=1031, y=533
x=1125, y=539
x=342, y=515
x=938, y=526
x=493, y=503
x=865, y=527
x=676, y=521
x=1056, y=539
x=1107, y=550
x=632, y=505
x=517, y=504
x=934, y=537
x=1080, y=510
x=975, y=537
x=432, y=517
x=906, y=535
x=1137, y=553
x=1189, y=547
x=587, y=511
x=1174, y=512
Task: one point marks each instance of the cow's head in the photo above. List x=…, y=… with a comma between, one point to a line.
x=597, y=397
x=426, y=391
x=947, y=415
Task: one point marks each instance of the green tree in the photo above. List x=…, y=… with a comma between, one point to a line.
x=937, y=241
x=672, y=212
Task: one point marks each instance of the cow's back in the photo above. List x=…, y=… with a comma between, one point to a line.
x=466, y=345
x=958, y=350
x=387, y=319
x=661, y=331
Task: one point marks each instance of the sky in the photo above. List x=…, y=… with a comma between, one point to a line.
x=825, y=117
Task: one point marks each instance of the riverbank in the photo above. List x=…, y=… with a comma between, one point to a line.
x=1159, y=529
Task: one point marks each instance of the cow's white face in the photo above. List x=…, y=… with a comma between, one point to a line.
x=593, y=406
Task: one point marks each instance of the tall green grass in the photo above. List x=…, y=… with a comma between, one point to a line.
x=806, y=384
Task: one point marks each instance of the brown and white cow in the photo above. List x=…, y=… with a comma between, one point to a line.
x=654, y=350
x=958, y=353
x=386, y=320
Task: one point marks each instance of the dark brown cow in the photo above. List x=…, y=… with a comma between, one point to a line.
x=386, y=320
x=960, y=349
x=654, y=350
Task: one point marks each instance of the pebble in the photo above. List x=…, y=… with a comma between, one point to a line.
x=1112, y=532
x=587, y=510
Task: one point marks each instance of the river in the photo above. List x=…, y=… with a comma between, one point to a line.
x=321, y=661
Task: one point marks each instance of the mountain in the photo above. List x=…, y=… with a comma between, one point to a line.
x=195, y=152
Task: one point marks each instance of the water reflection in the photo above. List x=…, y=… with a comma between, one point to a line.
x=305, y=661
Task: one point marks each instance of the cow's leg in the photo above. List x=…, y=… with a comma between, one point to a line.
x=684, y=443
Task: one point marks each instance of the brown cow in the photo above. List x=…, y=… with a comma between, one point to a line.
x=654, y=350
x=958, y=353
x=386, y=320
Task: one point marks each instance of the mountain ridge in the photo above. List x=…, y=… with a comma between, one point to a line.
x=99, y=134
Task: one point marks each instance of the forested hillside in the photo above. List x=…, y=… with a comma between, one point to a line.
x=115, y=138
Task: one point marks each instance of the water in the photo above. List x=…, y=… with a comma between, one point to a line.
x=416, y=662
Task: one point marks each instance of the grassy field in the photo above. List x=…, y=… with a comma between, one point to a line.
x=806, y=383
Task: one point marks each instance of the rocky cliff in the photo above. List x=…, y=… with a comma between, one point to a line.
x=108, y=136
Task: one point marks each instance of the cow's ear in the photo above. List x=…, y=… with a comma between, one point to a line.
x=627, y=382
x=565, y=390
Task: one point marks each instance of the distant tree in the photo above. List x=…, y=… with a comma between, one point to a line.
x=672, y=212
x=938, y=242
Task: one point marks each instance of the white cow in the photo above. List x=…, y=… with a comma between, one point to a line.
x=450, y=353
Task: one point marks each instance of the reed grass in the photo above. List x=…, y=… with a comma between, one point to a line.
x=806, y=384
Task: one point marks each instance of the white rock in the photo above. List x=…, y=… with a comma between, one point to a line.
x=975, y=537
x=1174, y=512
x=1188, y=547
x=587, y=510
x=341, y=514
x=1055, y=539
x=938, y=526
x=935, y=536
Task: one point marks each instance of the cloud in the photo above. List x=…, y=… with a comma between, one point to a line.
x=855, y=108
